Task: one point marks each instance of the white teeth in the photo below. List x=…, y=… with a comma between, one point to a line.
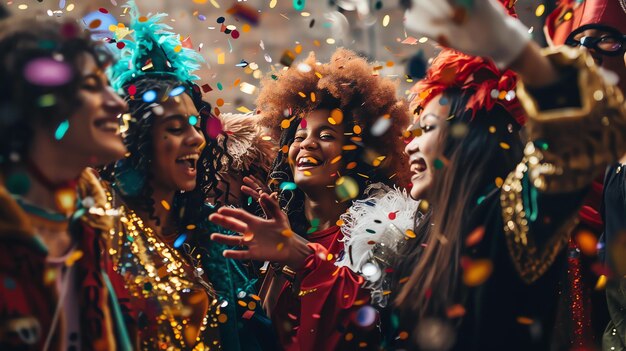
x=189, y=157
x=307, y=160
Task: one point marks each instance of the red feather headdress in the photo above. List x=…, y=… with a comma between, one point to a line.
x=490, y=86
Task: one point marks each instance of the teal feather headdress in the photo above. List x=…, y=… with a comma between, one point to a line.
x=152, y=49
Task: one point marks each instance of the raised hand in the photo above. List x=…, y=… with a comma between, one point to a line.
x=254, y=187
x=268, y=239
x=475, y=27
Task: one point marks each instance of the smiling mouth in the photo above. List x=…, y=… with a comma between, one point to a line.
x=418, y=167
x=307, y=162
x=108, y=125
x=188, y=161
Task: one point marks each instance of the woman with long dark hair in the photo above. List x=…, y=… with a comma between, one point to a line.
x=190, y=296
x=488, y=273
x=331, y=150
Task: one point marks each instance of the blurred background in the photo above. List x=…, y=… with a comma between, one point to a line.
x=243, y=41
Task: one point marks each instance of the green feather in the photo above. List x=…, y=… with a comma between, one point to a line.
x=152, y=40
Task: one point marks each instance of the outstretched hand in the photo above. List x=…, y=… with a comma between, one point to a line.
x=478, y=27
x=268, y=239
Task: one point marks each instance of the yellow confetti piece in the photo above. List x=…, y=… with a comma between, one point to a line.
x=200, y=1
x=165, y=205
x=335, y=160
x=378, y=160
x=191, y=227
x=424, y=206
x=477, y=272
x=69, y=8
x=284, y=124
x=540, y=10
x=255, y=297
x=329, y=257
x=302, y=94
x=242, y=303
x=298, y=49
x=339, y=222
x=50, y=276
x=386, y=20
x=244, y=109
x=266, y=137
x=313, y=97
x=215, y=4
x=568, y=16
x=280, y=246
x=316, y=43
x=601, y=283
x=221, y=58
x=245, y=28
x=505, y=146
x=75, y=256
x=318, y=75
x=273, y=3
x=410, y=234
x=178, y=48
x=492, y=129
x=307, y=173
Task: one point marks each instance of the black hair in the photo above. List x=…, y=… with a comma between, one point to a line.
x=188, y=207
x=490, y=149
x=21, y=42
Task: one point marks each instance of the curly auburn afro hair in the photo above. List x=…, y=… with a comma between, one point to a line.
x=346, y=83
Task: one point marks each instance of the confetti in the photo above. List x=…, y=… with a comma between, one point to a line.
x=386, y=21
x=366, y=316
x=180, y=240
x=247, y=88
x=165, y=205
x=476, y=272
x=381, y=126
x=75, y=256
x=59, y=133
x=346, y=188
x=288, y=186
x=587, y=242
x=540, y=10
x=47, y=72
x=475, y=236
x=299, y=5
x=149, y=96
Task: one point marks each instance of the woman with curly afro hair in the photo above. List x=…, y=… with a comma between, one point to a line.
x=340, y=129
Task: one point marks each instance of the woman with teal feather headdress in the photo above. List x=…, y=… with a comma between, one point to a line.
x=189, y=296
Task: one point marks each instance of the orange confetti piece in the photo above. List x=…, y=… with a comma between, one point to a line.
x=280, y=246
x=455, y=311
x=165, y=205
x=143, y=19
x=219, y=102
x=302, y=94
x=242, y=303
x=348, y=147
x=191, y=227
x=524, y=320
x=475, y=236
x=313, y=98
x=505, y=146
x=287, y=233
x=587, y=242
x=411, y=234
x=403, y=335
x=403, y=280
x=222, y=318
x=251, y=305
x=601, y=283
x=248, y=236
x=357, y=129
x=477, y=272
x=285, y=149
x=349, y=336
x=75, y=256
x=351, y=165
x=335, y=160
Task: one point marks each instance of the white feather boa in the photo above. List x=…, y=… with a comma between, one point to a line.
x=373, y=230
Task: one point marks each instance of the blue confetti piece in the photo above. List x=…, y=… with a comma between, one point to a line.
x=193, y=120
x=176, y=91
x=149, y=96
x=288, y=186
x=180, y=240
x=61, y=130
x=299, y=5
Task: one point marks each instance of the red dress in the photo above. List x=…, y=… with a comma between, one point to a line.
x=322, y=313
